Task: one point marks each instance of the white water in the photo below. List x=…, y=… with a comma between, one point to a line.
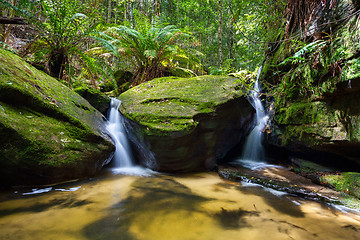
x=123, y=161
x=253, y=156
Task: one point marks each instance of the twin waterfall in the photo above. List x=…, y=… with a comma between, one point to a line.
x=253, y=153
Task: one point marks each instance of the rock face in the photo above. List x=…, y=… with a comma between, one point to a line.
x=96, y=98
x=318, y=117
x=186, y=124
x=48, y=133
x=325, y=131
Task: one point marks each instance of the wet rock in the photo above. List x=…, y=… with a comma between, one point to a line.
x=48, y=133
x=281, y=179
x=186, y=124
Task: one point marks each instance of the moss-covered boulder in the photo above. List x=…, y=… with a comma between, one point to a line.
x=186, y=124
x=48, y=133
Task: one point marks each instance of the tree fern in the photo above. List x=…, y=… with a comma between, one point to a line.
x=154, y=50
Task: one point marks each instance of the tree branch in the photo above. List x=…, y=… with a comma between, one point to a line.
x=16, y=20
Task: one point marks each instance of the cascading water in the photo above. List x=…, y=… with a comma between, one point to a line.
x=122, y=156
x=123, y=161
x=253, y=153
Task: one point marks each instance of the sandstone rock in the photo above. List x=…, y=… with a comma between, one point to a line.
x=325, y=131
x=186, y=124
x=48, y=133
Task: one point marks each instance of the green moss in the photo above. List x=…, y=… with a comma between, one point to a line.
x=348, y=182
x=44, y=124
x=44, y=139
x=169, y=104
x=315, y=122
x=297, y=113
x=306, y=167
x=352, y=69
x=95, y=97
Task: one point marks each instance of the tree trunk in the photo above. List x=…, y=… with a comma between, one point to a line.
x=2, y=28
x=56, y=64
x=8, y=27
x=231, y=47
x=141, y=6
x=14, y=20
x=157, y=8
x=231, y=41
x=220, y=32
x=109, y=12
x=171, y=8
x=125, y=11
x=130, y=12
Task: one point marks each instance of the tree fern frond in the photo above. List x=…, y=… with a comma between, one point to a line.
x=108, y=45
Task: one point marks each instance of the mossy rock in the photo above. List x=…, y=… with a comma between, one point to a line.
x=48, y=133
x=169, y=104
x=186, y=124
x=95, y=97
x=324, y=131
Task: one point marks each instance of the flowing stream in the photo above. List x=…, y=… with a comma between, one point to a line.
x=132, y=203
x=198, y=206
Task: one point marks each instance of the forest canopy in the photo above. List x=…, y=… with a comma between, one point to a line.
x=112, y=44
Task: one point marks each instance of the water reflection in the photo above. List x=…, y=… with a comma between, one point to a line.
x=199, y=206
x=280, y=203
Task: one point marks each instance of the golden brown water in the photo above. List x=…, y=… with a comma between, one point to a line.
x=192, y=207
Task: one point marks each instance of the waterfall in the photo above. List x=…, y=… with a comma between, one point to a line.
x=253, y=153
x=122, y=156
x=123, y=161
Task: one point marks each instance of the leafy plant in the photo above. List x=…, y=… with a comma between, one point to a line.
x=153, y=50
x=63, y=29
x=300, y=56
x=225, y=69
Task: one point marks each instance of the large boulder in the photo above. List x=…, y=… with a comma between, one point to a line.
x=186, y=124
x=48, y=133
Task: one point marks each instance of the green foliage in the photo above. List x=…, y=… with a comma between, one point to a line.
x=153, y=50
x=303, y=76
x=62, y=28
x=258, y=25
x=225, y=69
x=300, y=56
x=348, y=182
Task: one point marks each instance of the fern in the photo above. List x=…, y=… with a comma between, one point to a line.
x=152, y=49
x=300, y=56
